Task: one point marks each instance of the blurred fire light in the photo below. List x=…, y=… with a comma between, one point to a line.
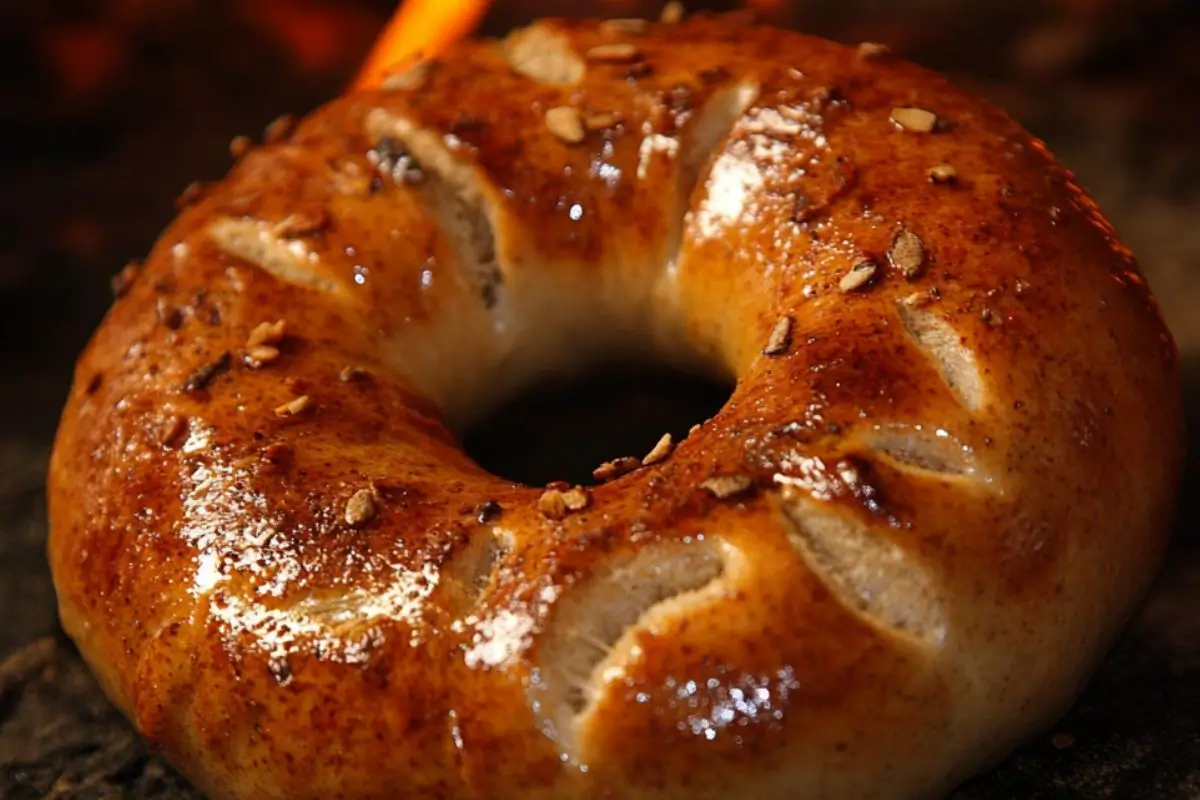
x=419, y=29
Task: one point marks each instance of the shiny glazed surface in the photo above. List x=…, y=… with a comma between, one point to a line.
x=939, y=490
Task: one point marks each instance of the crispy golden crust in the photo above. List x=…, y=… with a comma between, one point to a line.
x=937, y=491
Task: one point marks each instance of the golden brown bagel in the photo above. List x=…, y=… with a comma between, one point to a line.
x=938, y=490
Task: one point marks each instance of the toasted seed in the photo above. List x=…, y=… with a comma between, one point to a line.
x=916, y=300
x=628, y=25
x=990, y=318
x=942, y=173
x=294, y=407
x=780, y=339
x=907, y=253
x=611, y=470
x=361, y=508
x=124, y=279
x=620, y=53
x=280, y=128
x=239, y=146
x=868, y=51
x=601, y=121
x=267, y=333
x=542, y=54
x=258, y=357
x=917, y=120
x=672, y=13
x=192, y=194
x=552, y=504
x=576, y=499
x=858, y=276
x=725, y=486
x=565, y=123
x=660, y=452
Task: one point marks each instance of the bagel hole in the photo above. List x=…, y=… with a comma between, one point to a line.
x=661, y=583
x=563, y=428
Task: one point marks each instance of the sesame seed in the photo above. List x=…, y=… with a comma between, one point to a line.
x=267, y=333
x=544, y=55
x=613, y=53
x=239, y=146
x=917, y=120
x=942, y=173
x=258, y=357
x=294, y=407
x=780, y=339
x=576, y=499
x=191, y=195
x=907, y=253
x=601, y=120
x=869, y=51
x=565, y=123
x=858, y=276
x=672, y=13
x=552, y=505
x=360, y=508
x=660, y=451
x=124, y=279
x=726, y=486
x=280, y=128
x=610, y=470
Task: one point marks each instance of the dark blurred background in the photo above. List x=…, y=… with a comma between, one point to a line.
x=109, y=108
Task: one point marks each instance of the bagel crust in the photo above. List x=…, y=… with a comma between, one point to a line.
x=940, y=486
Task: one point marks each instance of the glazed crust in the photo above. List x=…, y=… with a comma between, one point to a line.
x=940, y=489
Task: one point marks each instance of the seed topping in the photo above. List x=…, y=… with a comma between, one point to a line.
x=672, y=13
x=725, y=486
x=611, y=470
x=565, y=123
x=917, y=120
x=780, y=339
x=294, y=407
x=267, y=333
x=858, y=276
x=613, y=53
x=361, y=508
x=942, y=173
x=661, y=450
x=907, y=253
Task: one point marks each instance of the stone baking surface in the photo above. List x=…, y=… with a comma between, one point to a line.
x=89, y=170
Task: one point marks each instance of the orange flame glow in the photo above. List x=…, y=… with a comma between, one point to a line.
x=419, y=29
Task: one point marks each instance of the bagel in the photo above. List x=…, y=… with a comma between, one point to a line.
x=941, y=484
